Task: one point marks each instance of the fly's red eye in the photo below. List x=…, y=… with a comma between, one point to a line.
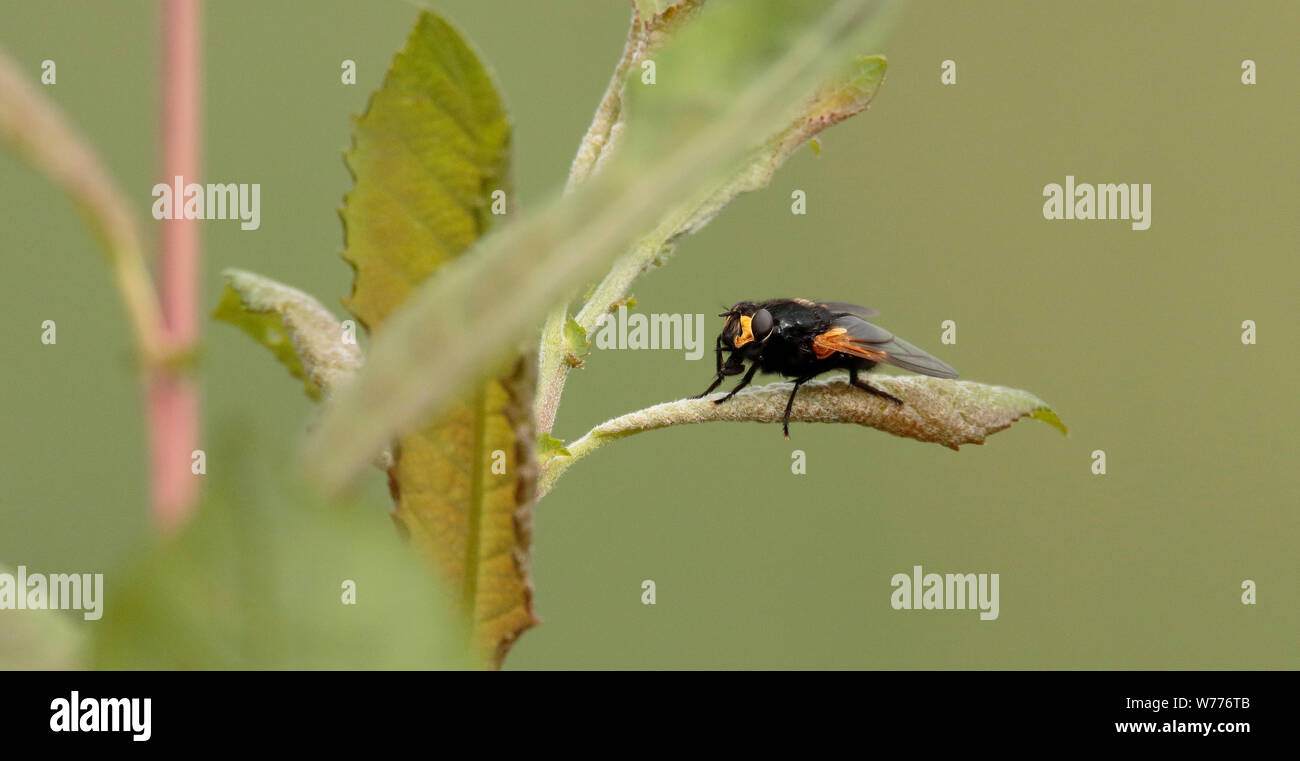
x=761, y=324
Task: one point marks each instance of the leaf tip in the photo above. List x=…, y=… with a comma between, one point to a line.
x=1049, y=416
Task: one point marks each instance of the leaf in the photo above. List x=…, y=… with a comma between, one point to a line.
x=847, y=93
x=576, y=344
x=649, y=9
x=261, y=578
x=431, y=148
x=732, y=77
x=548, y=446
x=39, y=640
x=299, y=331
x=947, y=412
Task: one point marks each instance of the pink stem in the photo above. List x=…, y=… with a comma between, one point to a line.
x=173, y=397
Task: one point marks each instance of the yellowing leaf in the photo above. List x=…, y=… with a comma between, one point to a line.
x=428, y=155
x=431, y=148
x=463, y=486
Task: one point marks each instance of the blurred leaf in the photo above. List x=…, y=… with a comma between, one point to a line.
x=648, y=9
x=847, y=93
x=428, y=153
x=936, y=410
x=299, y=331
x=257, y=580
x=40, y=640
x=734, y=76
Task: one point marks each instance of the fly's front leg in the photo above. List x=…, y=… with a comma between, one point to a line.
x=749, y=376
x=717, y=381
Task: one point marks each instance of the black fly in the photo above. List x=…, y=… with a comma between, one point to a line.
x=802, y=339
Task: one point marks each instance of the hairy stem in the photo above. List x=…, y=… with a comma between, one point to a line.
x=944, y=412
x=844, y=95
x=551, y=368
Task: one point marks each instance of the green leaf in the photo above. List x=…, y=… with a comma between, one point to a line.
x=432, y=146
x=267, y=329
x=576, y=344
x=548, y=446
x=734, y=76
x=427, y=156
x=935, y=410
x=261, y=579
x=40, y=640
x=298, y=330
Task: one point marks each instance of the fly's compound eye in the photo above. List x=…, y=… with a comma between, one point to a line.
x=761, y=325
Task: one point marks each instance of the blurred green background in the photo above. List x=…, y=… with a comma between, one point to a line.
x=927, y=207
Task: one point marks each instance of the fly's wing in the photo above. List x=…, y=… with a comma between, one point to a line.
x=855, y=336
x=843, y=307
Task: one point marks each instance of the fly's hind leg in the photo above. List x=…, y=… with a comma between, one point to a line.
x=857, y=382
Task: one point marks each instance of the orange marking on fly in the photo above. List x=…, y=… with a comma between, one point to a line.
x=779, y=335
x=746, y=331
x=825, y=344
x=838, y=340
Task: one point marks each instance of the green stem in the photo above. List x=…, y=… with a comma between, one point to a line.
x=552, y=370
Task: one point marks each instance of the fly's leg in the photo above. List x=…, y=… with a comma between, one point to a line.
x=718, y=363
x=716, y=382
x=789, y=404
x=749, y=376
x=858, y=383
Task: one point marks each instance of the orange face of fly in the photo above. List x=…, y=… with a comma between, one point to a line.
x=747, y=325
x=746, y=331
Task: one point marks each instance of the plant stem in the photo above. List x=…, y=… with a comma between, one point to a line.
x=552, y=370
x=173, y=397
x=41, y=135
x=947, y=412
